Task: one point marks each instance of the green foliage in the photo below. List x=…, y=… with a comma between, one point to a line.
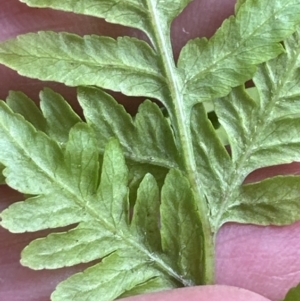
x=77, y=191
x=181, y=238
x=73, y=60
x=144, y=196
x=273, y=201
x=109, y=119
x=229, y=57
x=293, y=294
x=2, y=178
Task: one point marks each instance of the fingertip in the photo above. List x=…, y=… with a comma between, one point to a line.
x=201, y=293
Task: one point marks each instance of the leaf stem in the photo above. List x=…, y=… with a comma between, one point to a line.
x=180, y=119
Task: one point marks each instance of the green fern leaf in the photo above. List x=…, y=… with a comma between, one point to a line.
x=213, y=162
x=212, y=67
x=266, y=129
x=146, y=213
x=59, y=115
x=109, y=119
x=107, y=280
x=75, y=61
x=263, y=132
x=76, y=193
x=56, y=117
x=22, y=104
x=133, y=13
x=181, y=239
x=273, y=201
x=144, y=196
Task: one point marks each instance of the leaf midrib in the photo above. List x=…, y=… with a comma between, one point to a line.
x=130, y=69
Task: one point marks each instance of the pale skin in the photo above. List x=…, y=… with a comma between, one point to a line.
x=264, y=260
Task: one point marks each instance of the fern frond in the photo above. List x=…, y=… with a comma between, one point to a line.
x=263, y=132
x=78, y=190
x=210, y=68
x=147, y=138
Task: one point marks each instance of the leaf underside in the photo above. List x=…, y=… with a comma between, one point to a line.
x=264, y=132
x=122, y=183
x=132, y=67
x=87, y=185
